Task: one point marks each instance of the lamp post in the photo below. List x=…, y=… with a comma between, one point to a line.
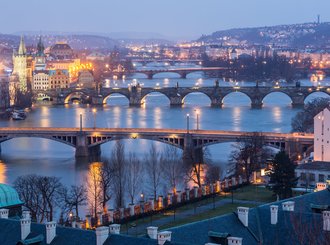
x=197, y=120
x=94, y=114
x=188, y=123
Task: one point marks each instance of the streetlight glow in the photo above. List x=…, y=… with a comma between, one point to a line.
x=187, y=123
x=94, y=114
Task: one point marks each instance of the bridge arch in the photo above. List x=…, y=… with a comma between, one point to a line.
x=155, y=93
x=140, y=74
x=283, y=97
x=78, y=93
x=116, y=95
x=237, y=96
x=194, y=74
x=204, y=97
x=68, y=140
x=316, y=94
x=171, y=74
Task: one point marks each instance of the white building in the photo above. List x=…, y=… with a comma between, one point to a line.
x=40, y=80
x=322, y=136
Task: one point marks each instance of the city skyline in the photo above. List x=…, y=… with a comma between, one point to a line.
x=191, y=19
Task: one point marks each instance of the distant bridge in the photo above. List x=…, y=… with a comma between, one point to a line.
x=87, y=141
x=169, y=61
x=136, y=94
x=183, y=72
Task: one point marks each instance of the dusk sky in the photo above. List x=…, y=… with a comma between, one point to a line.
x=171, y=18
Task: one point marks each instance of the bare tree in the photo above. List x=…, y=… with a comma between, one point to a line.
x=94, y=190
x=153, y=169
x=73, y=198
x=106, y=181
x=213, y=173
x=50, y=188
x=134, y=176
x=119, y=167
x=27, y=189
x=248, y=154
x=40, y=195
x=172, y=167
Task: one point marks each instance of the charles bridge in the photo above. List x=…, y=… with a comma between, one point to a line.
x=87, y=141
x=136, y=94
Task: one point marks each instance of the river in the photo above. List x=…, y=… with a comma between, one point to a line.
x=40, y=156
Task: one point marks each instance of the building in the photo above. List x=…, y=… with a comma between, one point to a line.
x=4, y=90
x=40, y=80
x=40, y=57
x=312, y=173
x=58, y=79
x=61, y=51
x=322, y=136
x=9, y=199
x=86, y=79
x=300, y=220
x=20, y=60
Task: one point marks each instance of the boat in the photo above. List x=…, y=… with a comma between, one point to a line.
x=18, y=115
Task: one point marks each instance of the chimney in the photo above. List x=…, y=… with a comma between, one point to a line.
x=26, y=214
x=234, y=240
x=25, y=228
x=326, y=220
x=243, y=215
x=50, y=231
x=114, y=229
x=273, y=214
x=4, y=213
x=152, y=232
x=102, y=234
x=288, y=206
x=163, y=237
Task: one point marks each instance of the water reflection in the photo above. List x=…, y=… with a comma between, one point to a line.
x=3, y=172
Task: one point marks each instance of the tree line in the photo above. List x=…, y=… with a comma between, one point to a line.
x=120, y=180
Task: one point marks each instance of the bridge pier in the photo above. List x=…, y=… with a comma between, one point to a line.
x=216, y=102
x=59, y=100
x=191, y=155
x=82, y=146
x=94, y=151
x=294, y=148
x=298, y=101
x=176, y=101
x=97, y=100
x=150, y=75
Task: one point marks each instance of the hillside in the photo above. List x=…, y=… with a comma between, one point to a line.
x=296, y=35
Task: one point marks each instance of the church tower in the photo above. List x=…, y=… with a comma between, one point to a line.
x=20, y=65
x=40, y=58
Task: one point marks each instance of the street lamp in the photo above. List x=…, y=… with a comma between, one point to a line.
x=188, y=123
x=197, y=119
x=94, y=113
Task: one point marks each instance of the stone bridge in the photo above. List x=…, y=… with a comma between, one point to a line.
x=183, y=72
x=136, y=94
x=87, y=141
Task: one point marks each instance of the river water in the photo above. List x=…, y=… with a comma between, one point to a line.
x=40, y=156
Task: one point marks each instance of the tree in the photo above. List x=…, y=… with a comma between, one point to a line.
x=119, y=167
x=133, y=176
x=213, y=173
x=282, y=177
x=40, y=195
x=94, y=189
x=153, y=169
x=248, y=154
x=304, y=120
x=172, y=167
x=26, y=187
x=106, y=180
x=73, y=198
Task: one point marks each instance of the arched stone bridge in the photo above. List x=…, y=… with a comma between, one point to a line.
x=183, y=72
x=136, y=94
x=87, y=141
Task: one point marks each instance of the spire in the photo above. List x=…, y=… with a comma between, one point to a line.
x=22, y=49
x=40, y=48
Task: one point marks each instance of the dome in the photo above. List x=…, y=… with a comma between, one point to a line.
x=8, y=196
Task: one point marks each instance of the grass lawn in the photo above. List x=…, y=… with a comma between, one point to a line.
x=227, y=208
x=254, y=193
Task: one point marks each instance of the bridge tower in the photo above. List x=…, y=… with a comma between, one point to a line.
x=135, y=97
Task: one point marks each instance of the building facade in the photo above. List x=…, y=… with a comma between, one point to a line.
x=20, y=65
x=322, y=136
x=40, y=80
x=58, y=79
